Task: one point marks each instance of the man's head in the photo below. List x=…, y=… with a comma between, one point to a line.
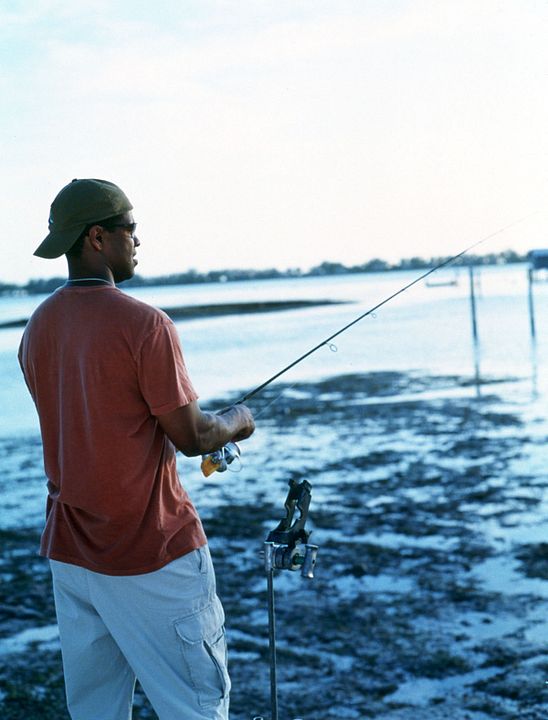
x=78, y=205
x=92, y=223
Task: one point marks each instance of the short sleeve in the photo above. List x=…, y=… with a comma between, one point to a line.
x=163, y=377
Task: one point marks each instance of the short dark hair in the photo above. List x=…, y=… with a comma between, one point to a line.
x=78, y=246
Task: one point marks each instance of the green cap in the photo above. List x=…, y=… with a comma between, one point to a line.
x=80, y=203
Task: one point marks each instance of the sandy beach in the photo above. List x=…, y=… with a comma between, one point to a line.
x=430, y=597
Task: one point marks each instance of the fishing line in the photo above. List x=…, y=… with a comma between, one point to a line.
x=372, y=310
x=274, y=400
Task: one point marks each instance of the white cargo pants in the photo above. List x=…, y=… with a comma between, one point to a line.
x=166, y=628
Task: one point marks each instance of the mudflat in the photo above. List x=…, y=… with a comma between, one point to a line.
x=430, y=598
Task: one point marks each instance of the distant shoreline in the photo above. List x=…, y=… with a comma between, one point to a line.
x=192, y=312
x=325, y=269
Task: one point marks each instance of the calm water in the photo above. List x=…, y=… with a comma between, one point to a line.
x=426, y=329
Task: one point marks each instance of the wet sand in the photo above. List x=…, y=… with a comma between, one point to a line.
x=430, y=598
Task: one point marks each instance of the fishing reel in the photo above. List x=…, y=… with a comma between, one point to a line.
x=283, y=557
x=287, y=547
x=219, y=460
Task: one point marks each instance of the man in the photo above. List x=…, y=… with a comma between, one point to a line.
x=133, y=581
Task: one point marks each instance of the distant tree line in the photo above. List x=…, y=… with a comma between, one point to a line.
x=191, y=277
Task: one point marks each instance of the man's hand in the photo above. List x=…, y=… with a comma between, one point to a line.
x=243, y=418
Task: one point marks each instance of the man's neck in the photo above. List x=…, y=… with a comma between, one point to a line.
x=82, y=273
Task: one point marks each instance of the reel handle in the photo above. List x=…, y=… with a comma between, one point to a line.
x=310, y=555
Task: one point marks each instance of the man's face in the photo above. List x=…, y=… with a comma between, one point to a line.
x=119, y=247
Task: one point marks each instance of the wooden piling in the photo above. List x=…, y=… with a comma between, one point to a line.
x=473, y=304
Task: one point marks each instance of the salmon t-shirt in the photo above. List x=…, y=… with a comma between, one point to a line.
x=100, y=366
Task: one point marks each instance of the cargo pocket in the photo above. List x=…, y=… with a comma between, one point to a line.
x=203, y=645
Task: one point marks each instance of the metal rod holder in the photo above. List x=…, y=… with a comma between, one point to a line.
x=286, y=548
x=272, y=646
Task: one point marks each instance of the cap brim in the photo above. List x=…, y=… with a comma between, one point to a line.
x=57, y=242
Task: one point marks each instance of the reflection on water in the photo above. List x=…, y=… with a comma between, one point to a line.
x=534, y=368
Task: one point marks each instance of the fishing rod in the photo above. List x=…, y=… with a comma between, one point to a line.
x=386, y=300
x=220, y=459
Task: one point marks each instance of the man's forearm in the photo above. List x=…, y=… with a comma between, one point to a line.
x=195, y=432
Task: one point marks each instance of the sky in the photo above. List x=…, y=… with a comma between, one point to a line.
x=278, y=133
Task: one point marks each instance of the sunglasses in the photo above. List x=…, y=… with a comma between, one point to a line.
x=130, y=227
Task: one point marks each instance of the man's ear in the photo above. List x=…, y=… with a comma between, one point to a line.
x=96, y=237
